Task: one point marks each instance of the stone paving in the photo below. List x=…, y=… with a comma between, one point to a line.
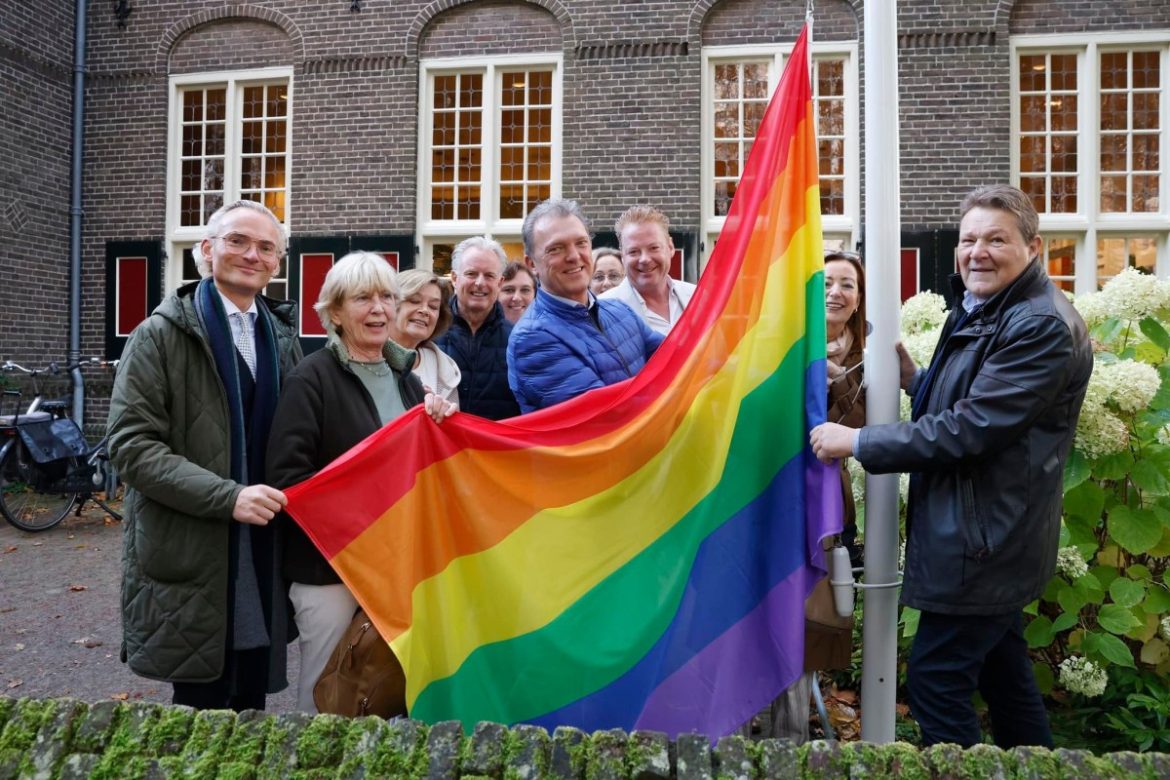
x=60, y=622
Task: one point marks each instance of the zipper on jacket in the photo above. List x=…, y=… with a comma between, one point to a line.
x=971, y=514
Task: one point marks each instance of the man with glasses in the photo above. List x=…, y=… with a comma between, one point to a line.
x=203, y=606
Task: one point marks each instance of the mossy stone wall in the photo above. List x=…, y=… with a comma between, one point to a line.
x=64, y=738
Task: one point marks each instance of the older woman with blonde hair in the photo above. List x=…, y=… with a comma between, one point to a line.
x=337, y=396
x=424, y=314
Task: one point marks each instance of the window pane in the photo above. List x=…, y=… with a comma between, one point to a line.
x=1147, y=70
x=1145, y=152
x=1049, y=124
x=1130, y=128
x=1061, y=255
x=1113, y=194
x=525, y=134
x=755, y=81
x=253, y=102
x=1064, y=72
x=1145, y=193
x=1114, y=107
x=1145, y=111
x=724, y=192
x=1116, y=253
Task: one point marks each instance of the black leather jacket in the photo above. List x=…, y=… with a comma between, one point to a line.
x=987, y=451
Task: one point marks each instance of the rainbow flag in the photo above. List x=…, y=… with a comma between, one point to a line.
x=638, y=557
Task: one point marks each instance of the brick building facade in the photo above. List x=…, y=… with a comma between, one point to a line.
x=405, y=126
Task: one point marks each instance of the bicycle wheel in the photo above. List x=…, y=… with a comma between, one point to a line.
x=20, y=503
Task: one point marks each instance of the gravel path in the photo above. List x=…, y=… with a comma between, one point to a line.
x=60, y=623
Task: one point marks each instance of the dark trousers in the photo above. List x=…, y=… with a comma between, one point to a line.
x=955, y=655
x=242, y=686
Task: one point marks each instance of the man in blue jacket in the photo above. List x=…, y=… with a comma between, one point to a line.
x=478, y=337
x=569, y=341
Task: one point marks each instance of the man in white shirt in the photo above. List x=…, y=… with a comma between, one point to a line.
x=644, y=237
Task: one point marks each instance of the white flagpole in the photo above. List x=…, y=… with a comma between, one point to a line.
x=879, y=644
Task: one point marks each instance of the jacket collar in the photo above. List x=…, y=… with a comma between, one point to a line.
x=179, y=308
x=1032, y=274
x=562, y=308
x=496, y=313
x=397, y=357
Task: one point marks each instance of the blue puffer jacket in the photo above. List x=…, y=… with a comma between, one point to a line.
x=557, y=352
x=481, y=357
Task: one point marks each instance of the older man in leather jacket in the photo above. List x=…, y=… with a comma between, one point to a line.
x=993, y=420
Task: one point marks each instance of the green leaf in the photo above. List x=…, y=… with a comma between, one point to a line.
x=1039, y=632
x=1064, y=621
x=1108, y=330
x=1044, y=677
x=1155, y=333
x=1114, y=466
x=1114, y=650
x=1052, y=589
x=1157, y=600
x=1091, y=587
x=1116, y=619
x=1076, y=470
x=1071, y=600
x=1082, y=531
x=1136, y=530
x=910, y=618
x=1126, y=593
x=1085, y=502
x=1138, y=571
x=1104, y=574
x=1150, y=477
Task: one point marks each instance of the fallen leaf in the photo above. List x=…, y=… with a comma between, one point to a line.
x=37, y=544
x=78, y=588
x=19, y=645
x=903, y=710
x=88, y=641
x=81, y=546
x=15, y=684
x=120, y=696
x=70, y=536
x=13, y=548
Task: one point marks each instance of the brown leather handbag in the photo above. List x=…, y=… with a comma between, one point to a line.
x=363, y=676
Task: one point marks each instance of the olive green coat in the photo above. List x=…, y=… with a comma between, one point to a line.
x=169, y=439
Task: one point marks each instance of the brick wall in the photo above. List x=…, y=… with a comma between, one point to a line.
x=631, y=110
x=36, y=64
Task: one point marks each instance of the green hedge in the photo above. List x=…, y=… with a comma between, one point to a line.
x=64, y=738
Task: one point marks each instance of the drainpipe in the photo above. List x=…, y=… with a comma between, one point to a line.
x=75, y=212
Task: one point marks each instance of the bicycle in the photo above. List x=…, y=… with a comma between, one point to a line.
x=46, y=465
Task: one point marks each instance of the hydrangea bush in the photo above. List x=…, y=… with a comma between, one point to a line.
x=1105, y=615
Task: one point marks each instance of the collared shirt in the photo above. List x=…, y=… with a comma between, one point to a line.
x=229, y=308
x=678, y=296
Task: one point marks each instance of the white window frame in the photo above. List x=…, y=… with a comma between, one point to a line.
x=1088, y=224
x=178, y=236
x=840, y=229
x=443, y=231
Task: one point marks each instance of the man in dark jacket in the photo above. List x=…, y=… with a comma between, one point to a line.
x=993, y=420
x=478, y=337
x=569, y=341
x=203, y=603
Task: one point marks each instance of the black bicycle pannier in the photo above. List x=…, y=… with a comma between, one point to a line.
x=53, y=440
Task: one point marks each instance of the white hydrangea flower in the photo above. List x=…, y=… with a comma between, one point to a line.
x=902, y=558
x=921, y=346
x=1093, y=308
x=1100, y=432
x=1097, y=392
x=1080, y=675
x=904, y=487
x=1132, y=384
x=1132, y=295
x=1070, y=563
x=1163, y=434
x=1164, y=627
x=923, y=312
